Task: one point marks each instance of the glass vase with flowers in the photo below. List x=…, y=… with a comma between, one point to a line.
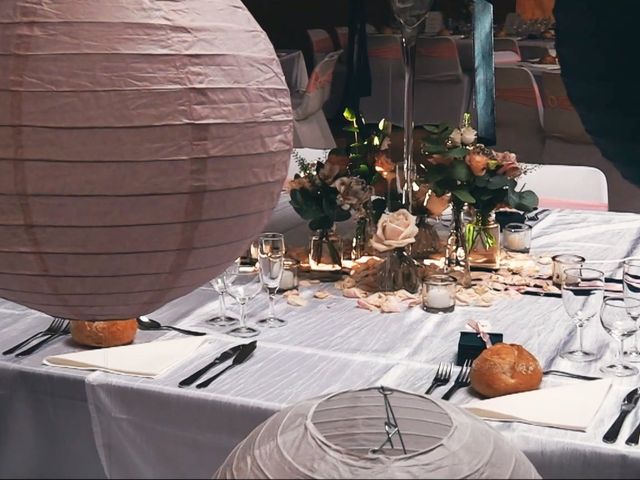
x=477, y=178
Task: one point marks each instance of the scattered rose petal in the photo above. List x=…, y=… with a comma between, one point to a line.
x=290, y=293
x=321, y=294
x=376, y=299
x=393, y=305
x=354, y=292
x=296, y=301
x=363, y=304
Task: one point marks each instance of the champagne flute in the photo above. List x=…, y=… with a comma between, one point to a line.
x=582, y=294
x=222, y=320
x=620, y=324
x=631, y=284
x=271, y=250
x=242, y=283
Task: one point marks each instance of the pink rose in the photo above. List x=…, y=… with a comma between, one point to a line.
x=395, y=230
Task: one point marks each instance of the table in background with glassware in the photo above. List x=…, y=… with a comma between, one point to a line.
x=327, y=345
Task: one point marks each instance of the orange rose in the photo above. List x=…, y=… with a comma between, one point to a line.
x=384, y=165
x=477, y=163
x=340, y=161
x=436, y=205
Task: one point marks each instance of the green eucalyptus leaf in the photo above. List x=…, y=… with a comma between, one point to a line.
x=349, y=115
x=321, y=223
x=460, y=171
x=458, y=152
x=498, y=182
x=463, y=195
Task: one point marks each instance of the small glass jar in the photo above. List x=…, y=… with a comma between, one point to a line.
x=485, y=250
x=516, y=237
x=561, y=263
x=289, y=279
x=439, y=293
x=325, y=254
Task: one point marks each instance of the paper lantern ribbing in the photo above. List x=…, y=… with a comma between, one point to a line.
x=332, y=438
x=143, y=145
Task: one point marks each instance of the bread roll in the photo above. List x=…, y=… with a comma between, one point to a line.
x=505, y=368
x=109, y=333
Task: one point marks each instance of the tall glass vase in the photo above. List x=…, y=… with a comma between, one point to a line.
x=364, y=232
x=398, y=271
x=411, y=15
x=456, y=253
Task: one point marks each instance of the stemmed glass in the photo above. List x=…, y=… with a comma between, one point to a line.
x=618, y=322
x=242, y=283
x=631, y=284
x=222, y=320
x=582, y=294
x=271, y=260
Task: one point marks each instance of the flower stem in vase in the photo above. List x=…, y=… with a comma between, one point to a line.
x=456, y=253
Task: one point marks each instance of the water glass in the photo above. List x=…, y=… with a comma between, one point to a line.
x=271, y=250
x=561, y=263
x=631, y=285
x=222, y=319
x=582, y=294
x=517, y=237
x=617, y=322
x=243, y=284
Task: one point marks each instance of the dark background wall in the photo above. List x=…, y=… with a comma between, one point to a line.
x=286, y=21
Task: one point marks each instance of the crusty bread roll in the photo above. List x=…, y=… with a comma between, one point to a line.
x=505, y=368
x=549, y=60
x=108, y=333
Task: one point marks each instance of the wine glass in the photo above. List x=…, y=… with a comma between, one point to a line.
x=631, y=285
x=242, y=283
x=582, y=294
x=271, y=261
x=222, y=320
x=620, y=324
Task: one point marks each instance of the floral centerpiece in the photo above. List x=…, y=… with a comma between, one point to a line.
x=474, y=176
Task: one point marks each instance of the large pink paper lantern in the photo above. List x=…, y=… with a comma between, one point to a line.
x=143, y=145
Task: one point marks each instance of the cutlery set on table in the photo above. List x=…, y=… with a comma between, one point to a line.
x=239, y=354
x=57, y=328
x=628, y=404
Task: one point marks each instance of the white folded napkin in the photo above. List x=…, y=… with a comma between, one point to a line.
x=141, y=359
x=571, y=407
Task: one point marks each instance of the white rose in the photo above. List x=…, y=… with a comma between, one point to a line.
x=395, y=230
x=468, y=135
x=456, y=136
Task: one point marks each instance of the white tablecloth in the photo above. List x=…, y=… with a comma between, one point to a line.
x=150, y=428
x=294, y=69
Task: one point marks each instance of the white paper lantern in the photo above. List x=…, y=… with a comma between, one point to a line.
x=143, y=145
x=332, y=437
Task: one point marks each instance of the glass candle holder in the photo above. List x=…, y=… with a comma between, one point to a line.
x=517, y=237
x=289, y=279
x=561, y=263
x=439, y=294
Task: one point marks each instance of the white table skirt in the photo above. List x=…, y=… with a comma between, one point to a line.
x=150, y=428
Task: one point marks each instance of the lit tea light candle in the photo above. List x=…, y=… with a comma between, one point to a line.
x=289, y=279
x=517, y=237
x=439, y=294
x=561, y=263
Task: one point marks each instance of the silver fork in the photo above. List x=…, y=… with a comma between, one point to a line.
x=53, y=327
x=442, y=377
x=63, y=329
x=462, y=380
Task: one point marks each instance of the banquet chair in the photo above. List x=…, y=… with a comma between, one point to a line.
x=442, y=89
x=387, y=80
x=310, y=127
x=567, y=143
x=343, y=36
x=519, y=113
x=434, y=22
x=321, y=44
x=533, y=52
x=512, y=23
x=567, y=186
x=506, y=50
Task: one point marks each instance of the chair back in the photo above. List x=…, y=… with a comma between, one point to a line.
x=512, y=23
x=437, y=59
x=343, y=36
x=568, y=186
x=433, y=23
x=318, y=89
x=506, y=51
x=321, y=44
x=387, y=79
x=560, y=118
x=519, y=113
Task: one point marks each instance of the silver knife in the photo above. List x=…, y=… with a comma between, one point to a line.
x=223, y=357
x=628, y=404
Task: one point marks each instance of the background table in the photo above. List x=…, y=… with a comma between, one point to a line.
x=294, y=69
